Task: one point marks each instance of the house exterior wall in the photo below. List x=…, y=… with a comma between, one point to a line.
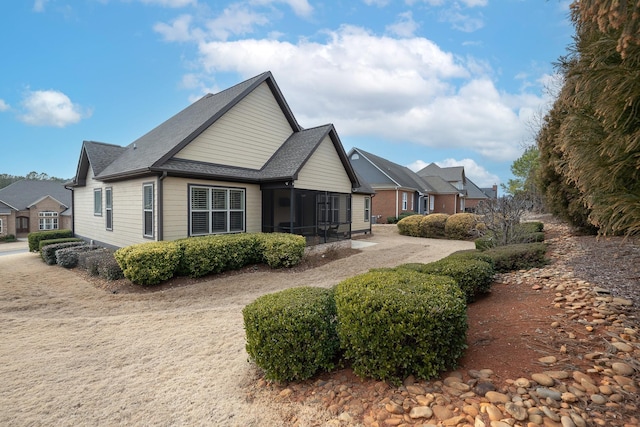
x=245, y=136
x=324, y=171
x=358, y=222
x=176, y=205
x=8, y=224
x=388, y=203
x=446, y=203
x=127, y=212
x=471, y=204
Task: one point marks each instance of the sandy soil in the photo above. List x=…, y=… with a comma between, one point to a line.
x=75, y=354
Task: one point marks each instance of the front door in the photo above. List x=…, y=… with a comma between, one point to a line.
x=22, y=224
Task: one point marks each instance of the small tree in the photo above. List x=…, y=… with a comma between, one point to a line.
x=501, y=218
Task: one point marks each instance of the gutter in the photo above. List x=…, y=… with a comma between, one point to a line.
x=161, y=206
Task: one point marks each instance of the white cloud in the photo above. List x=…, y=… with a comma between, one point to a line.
x=38, y=5
x=475, y=172
x=404, y=26
x=399, y=90
x=461, y=21
x=235, y=20
x=170, y=3
x=51, y=108
x=3, y=105
x=178, y=31
x=299, y=7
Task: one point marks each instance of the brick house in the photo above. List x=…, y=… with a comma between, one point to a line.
x=34, y=205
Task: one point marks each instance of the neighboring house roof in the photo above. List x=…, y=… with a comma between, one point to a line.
x=491, y=192
x=154, y=151
x=449, y=174
x=473, y=191
x=5, y=209
x=440, y=186
x=400, y=176
x=21, y=195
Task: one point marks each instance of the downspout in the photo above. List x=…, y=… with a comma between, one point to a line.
x=397, y=202
x=161, y=206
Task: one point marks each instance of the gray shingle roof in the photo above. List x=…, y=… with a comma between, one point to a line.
x=440, y=186
x=401, y=175
x=473, y=191
x=153, y=152
x=449, y=174
x=161, y=143
x=22, y=194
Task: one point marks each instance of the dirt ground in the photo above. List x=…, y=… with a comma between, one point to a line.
x=75, y=352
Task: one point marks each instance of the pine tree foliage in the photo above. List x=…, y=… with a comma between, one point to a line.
x=590, y=142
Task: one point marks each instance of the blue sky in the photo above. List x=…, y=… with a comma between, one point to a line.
x=416, y=81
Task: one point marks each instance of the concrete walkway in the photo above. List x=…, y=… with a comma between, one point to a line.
x=11, y=248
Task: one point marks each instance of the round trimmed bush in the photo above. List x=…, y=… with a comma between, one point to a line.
x=148, y=263
x=433, y=225
x=393, y=323
x=410, y=226
x=472, y=276
x=460, y=226
x=292, y=334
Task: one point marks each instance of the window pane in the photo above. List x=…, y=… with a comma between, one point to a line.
x=219, y=200
x=199, y=198
x=218, y=222
x=109, y=219
x=236, y=220
x=148, y=196
x=236, y=199
x=199, y=223
x=97, y=202
x=148, y=223
x=108, y=200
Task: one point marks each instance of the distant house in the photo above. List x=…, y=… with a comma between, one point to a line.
x=34, y=205
x=397, y=188
x=235, y=161
x=469, y=194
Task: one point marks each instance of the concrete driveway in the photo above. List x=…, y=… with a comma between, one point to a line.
x=11, y=248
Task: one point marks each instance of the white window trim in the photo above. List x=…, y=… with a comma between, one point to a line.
x=97, y=202
x=404, y=201
x=210, y=209
x=108, y=208
x=49, y=219
x=1, y=226
x=367, y=209
x=145, y=210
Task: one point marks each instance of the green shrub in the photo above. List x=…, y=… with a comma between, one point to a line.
x=396, y=219
x=532, y=226
x=48, y=252
x=471, y=254
x=393, y=323
x=485, y=242
x=44, y=243
x=68, y=257
x=433, y=225
x=108, y=268
x=8, y=238
x=213, y=254
x=473, y=277
x=410, y=225
x=518, y=257
x=148, y=263
x=35, y=237
x=460, y=226
x=292, y=334
x=282, y=249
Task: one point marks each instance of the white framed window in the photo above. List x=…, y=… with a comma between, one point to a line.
x=97, y=201
x=404, y=201
x=216, y=210
x=108, y=208
x=1, y=226
x=147, y=209
x=432, y=203
x=48, y=220
x=367, y=209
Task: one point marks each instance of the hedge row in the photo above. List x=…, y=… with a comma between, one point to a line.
x=48, y=252
x=390, y=322
x=151, y=263
x=35, y=237
x=459, y=226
